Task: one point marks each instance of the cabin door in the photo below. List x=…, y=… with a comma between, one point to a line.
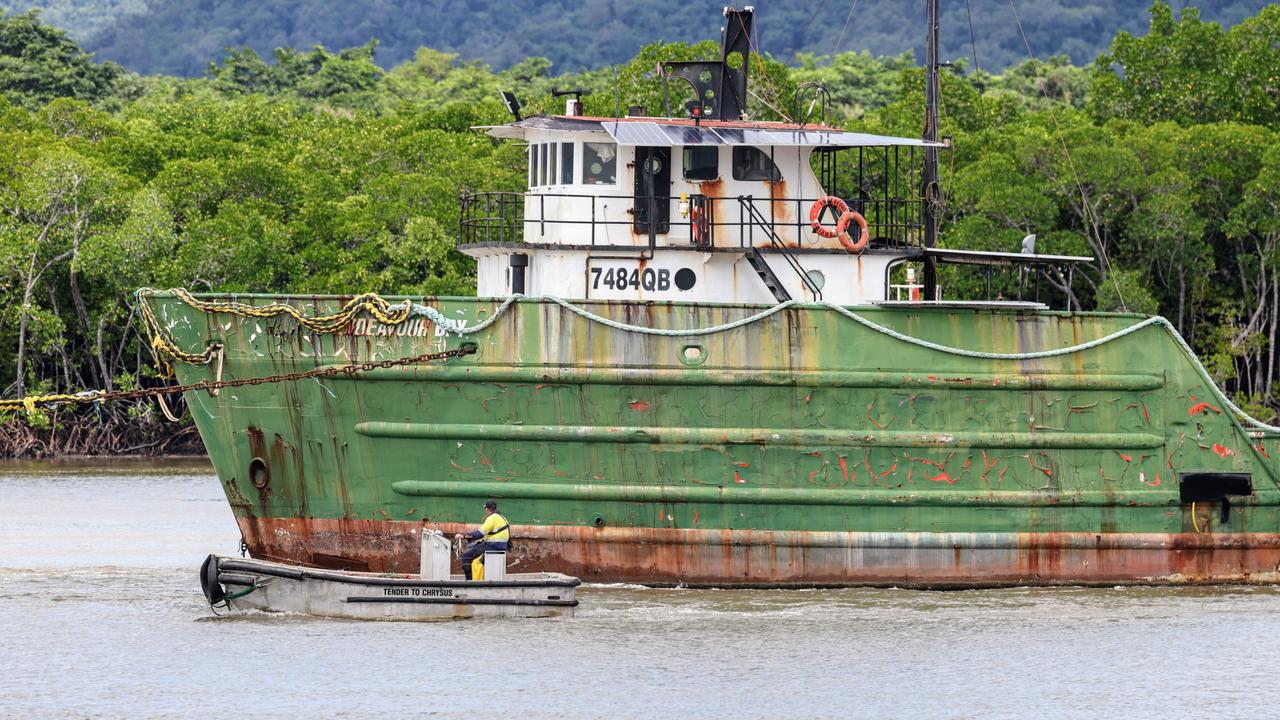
x=653, y=178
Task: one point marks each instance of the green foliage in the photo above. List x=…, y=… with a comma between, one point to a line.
x=315, y=75
x=1040, y=84
x=39, y=63
x=857, y=82
x=1191, y=71
x=1126, y=291
x=317, y=171
x=182, y=37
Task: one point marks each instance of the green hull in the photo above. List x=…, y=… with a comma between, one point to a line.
x=801, y=448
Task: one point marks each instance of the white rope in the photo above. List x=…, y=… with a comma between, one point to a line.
x=1236, y=411
x=992, y=355
x=448, y=325
x=1238, y=414
x=672, y=333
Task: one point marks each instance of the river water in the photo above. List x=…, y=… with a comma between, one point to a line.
x=101, y=617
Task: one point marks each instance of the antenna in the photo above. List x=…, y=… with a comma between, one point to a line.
x=617, y=99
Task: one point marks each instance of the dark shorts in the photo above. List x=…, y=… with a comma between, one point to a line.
x=480, y=548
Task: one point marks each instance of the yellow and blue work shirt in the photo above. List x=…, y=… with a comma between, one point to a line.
x=492, y=523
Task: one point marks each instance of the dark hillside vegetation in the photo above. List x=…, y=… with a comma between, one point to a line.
x=319, y=171
x=181, y=38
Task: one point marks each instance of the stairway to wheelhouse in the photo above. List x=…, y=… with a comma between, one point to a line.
x=761, y=266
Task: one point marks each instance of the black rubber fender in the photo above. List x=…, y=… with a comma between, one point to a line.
x=213, y=590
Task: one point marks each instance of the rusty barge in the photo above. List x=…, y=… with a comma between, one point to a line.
x=701, y=356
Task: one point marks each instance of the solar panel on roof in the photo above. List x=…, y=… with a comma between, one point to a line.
x=661, y=135
x=633, y=133
x=689, y=135
x=731, y=136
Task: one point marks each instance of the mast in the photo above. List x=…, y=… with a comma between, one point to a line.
x=930, y=189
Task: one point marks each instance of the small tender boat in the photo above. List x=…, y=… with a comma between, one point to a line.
x=245, y=584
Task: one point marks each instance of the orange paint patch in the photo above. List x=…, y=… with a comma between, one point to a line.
x=1222, y=451
x=943, y=477
x=844, y=469
x=1126, y=458
x=1201, y=407
x=738, y=478
x=639, y=405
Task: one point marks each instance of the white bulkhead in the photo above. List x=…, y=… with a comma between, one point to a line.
x=732, y=206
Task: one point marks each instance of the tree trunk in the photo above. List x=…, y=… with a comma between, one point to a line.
x=1271, y=336
x=1182, y=301
x=100, y=351
x=22, y=329
x=82, y=317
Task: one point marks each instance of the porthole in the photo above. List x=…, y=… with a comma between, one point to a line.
x=817, y=278
x=259, y=474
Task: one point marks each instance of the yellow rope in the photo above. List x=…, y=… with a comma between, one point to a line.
x=166, y=349
x=1195, y=523
x=30, y=402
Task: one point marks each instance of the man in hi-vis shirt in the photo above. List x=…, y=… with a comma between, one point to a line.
x=494, y=534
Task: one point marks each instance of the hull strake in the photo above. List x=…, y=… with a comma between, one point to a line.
x=796, y=428
x=796, y=558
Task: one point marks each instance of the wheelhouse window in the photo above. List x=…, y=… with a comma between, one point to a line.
x=566, y=163
x=599, y=164
x=701, y=163
x=533, y=165
x=751, y=163
x=542, y=164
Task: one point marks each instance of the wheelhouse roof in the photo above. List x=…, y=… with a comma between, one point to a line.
x=673, y=131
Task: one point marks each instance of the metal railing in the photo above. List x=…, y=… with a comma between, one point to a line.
x=758, y=220
x=503, y=217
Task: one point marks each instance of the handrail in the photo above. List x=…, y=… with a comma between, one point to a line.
x=500, y=216
x=758, y=218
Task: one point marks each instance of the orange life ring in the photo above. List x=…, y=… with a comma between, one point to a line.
x=816, y=211
x=842, y=228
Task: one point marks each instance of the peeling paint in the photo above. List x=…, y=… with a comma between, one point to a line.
x=567, y=421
